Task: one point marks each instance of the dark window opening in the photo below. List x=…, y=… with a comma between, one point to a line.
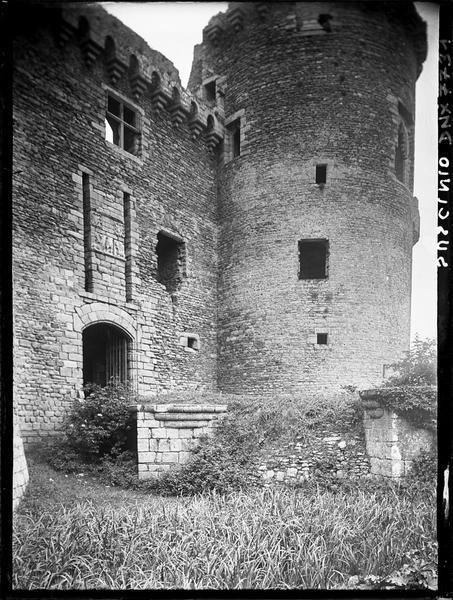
x=321, y=338
x=321, y=173
x=234, y=132
x=105, y=355
x=87, y=232
x=121, y=126
x=192, y=342
x=313, y=256
x=170, y=261
x=324, y=21
x=210, y=91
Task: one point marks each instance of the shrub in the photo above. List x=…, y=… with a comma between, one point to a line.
x=120, y=470
x=99, y=425
x=418, y=367
x=410, y=392
x=424, y=467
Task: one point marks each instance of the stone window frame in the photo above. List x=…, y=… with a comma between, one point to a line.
x=401, y=116
x=402, y=142
x=239, y=115
x=140, y=113
x=314, y=338
x=184, y=341
x=206, y=82
x=177, y=237
x=91, y=313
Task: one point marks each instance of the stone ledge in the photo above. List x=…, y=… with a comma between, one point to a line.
x=184, y=416
x=179, y=408
x=186, y=424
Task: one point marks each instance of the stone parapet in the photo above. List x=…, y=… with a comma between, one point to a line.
x=168, y=433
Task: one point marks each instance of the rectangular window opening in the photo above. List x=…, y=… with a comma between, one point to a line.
x=210, y=91
x=313, y=259
x=86, y=200
x=127, y=245
x=321, y=173
x=121, y=126
x=234, y=133
x=170, y=261
x=192, y=342
x=321, y=339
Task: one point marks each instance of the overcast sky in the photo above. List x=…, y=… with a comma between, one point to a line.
x=174, y=28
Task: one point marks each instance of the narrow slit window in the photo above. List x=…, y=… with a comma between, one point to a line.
x=86, y=198
x=313, y=259
x=321, y=339
x=234, y=133
x=321, y=173
x=127, y=245
x=401, y=154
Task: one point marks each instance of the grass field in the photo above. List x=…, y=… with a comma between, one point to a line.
x=70, y=532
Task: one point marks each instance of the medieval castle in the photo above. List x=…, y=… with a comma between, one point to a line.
x=252, y=234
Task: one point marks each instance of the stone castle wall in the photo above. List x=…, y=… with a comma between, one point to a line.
x=231, y=313
x=20, y=469
x=60, y=101
x=307, y=96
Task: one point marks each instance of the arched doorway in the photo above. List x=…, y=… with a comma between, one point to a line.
x=106, y=351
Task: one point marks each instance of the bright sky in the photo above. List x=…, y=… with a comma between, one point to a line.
x=173, y=28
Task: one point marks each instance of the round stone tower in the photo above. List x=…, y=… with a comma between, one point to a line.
x=316, y=213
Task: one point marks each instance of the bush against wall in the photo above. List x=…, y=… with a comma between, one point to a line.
x=411, y=391
x=96, y=432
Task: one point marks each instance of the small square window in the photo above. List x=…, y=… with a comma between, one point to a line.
x=121, y=126
x=321, y=339
x=313, y=255
x=192, y=342
x=321, y=173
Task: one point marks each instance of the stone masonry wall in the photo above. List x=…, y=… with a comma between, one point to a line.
x=88, y=214
x=309, y=94
x=62, y=78
x=167, y=433
x=392, y=442
x=329, y=453
x=20, y=469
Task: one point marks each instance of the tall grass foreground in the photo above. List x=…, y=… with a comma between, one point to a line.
x=275, y=538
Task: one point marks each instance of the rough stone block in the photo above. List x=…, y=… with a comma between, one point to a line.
x=170, y=457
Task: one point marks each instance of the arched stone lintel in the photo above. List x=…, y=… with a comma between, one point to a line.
x=97, y=312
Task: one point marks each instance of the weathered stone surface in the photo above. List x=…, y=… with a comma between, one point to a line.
x=20, y=469
x=173, y=444
x=306, y=91
x=392, y=442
